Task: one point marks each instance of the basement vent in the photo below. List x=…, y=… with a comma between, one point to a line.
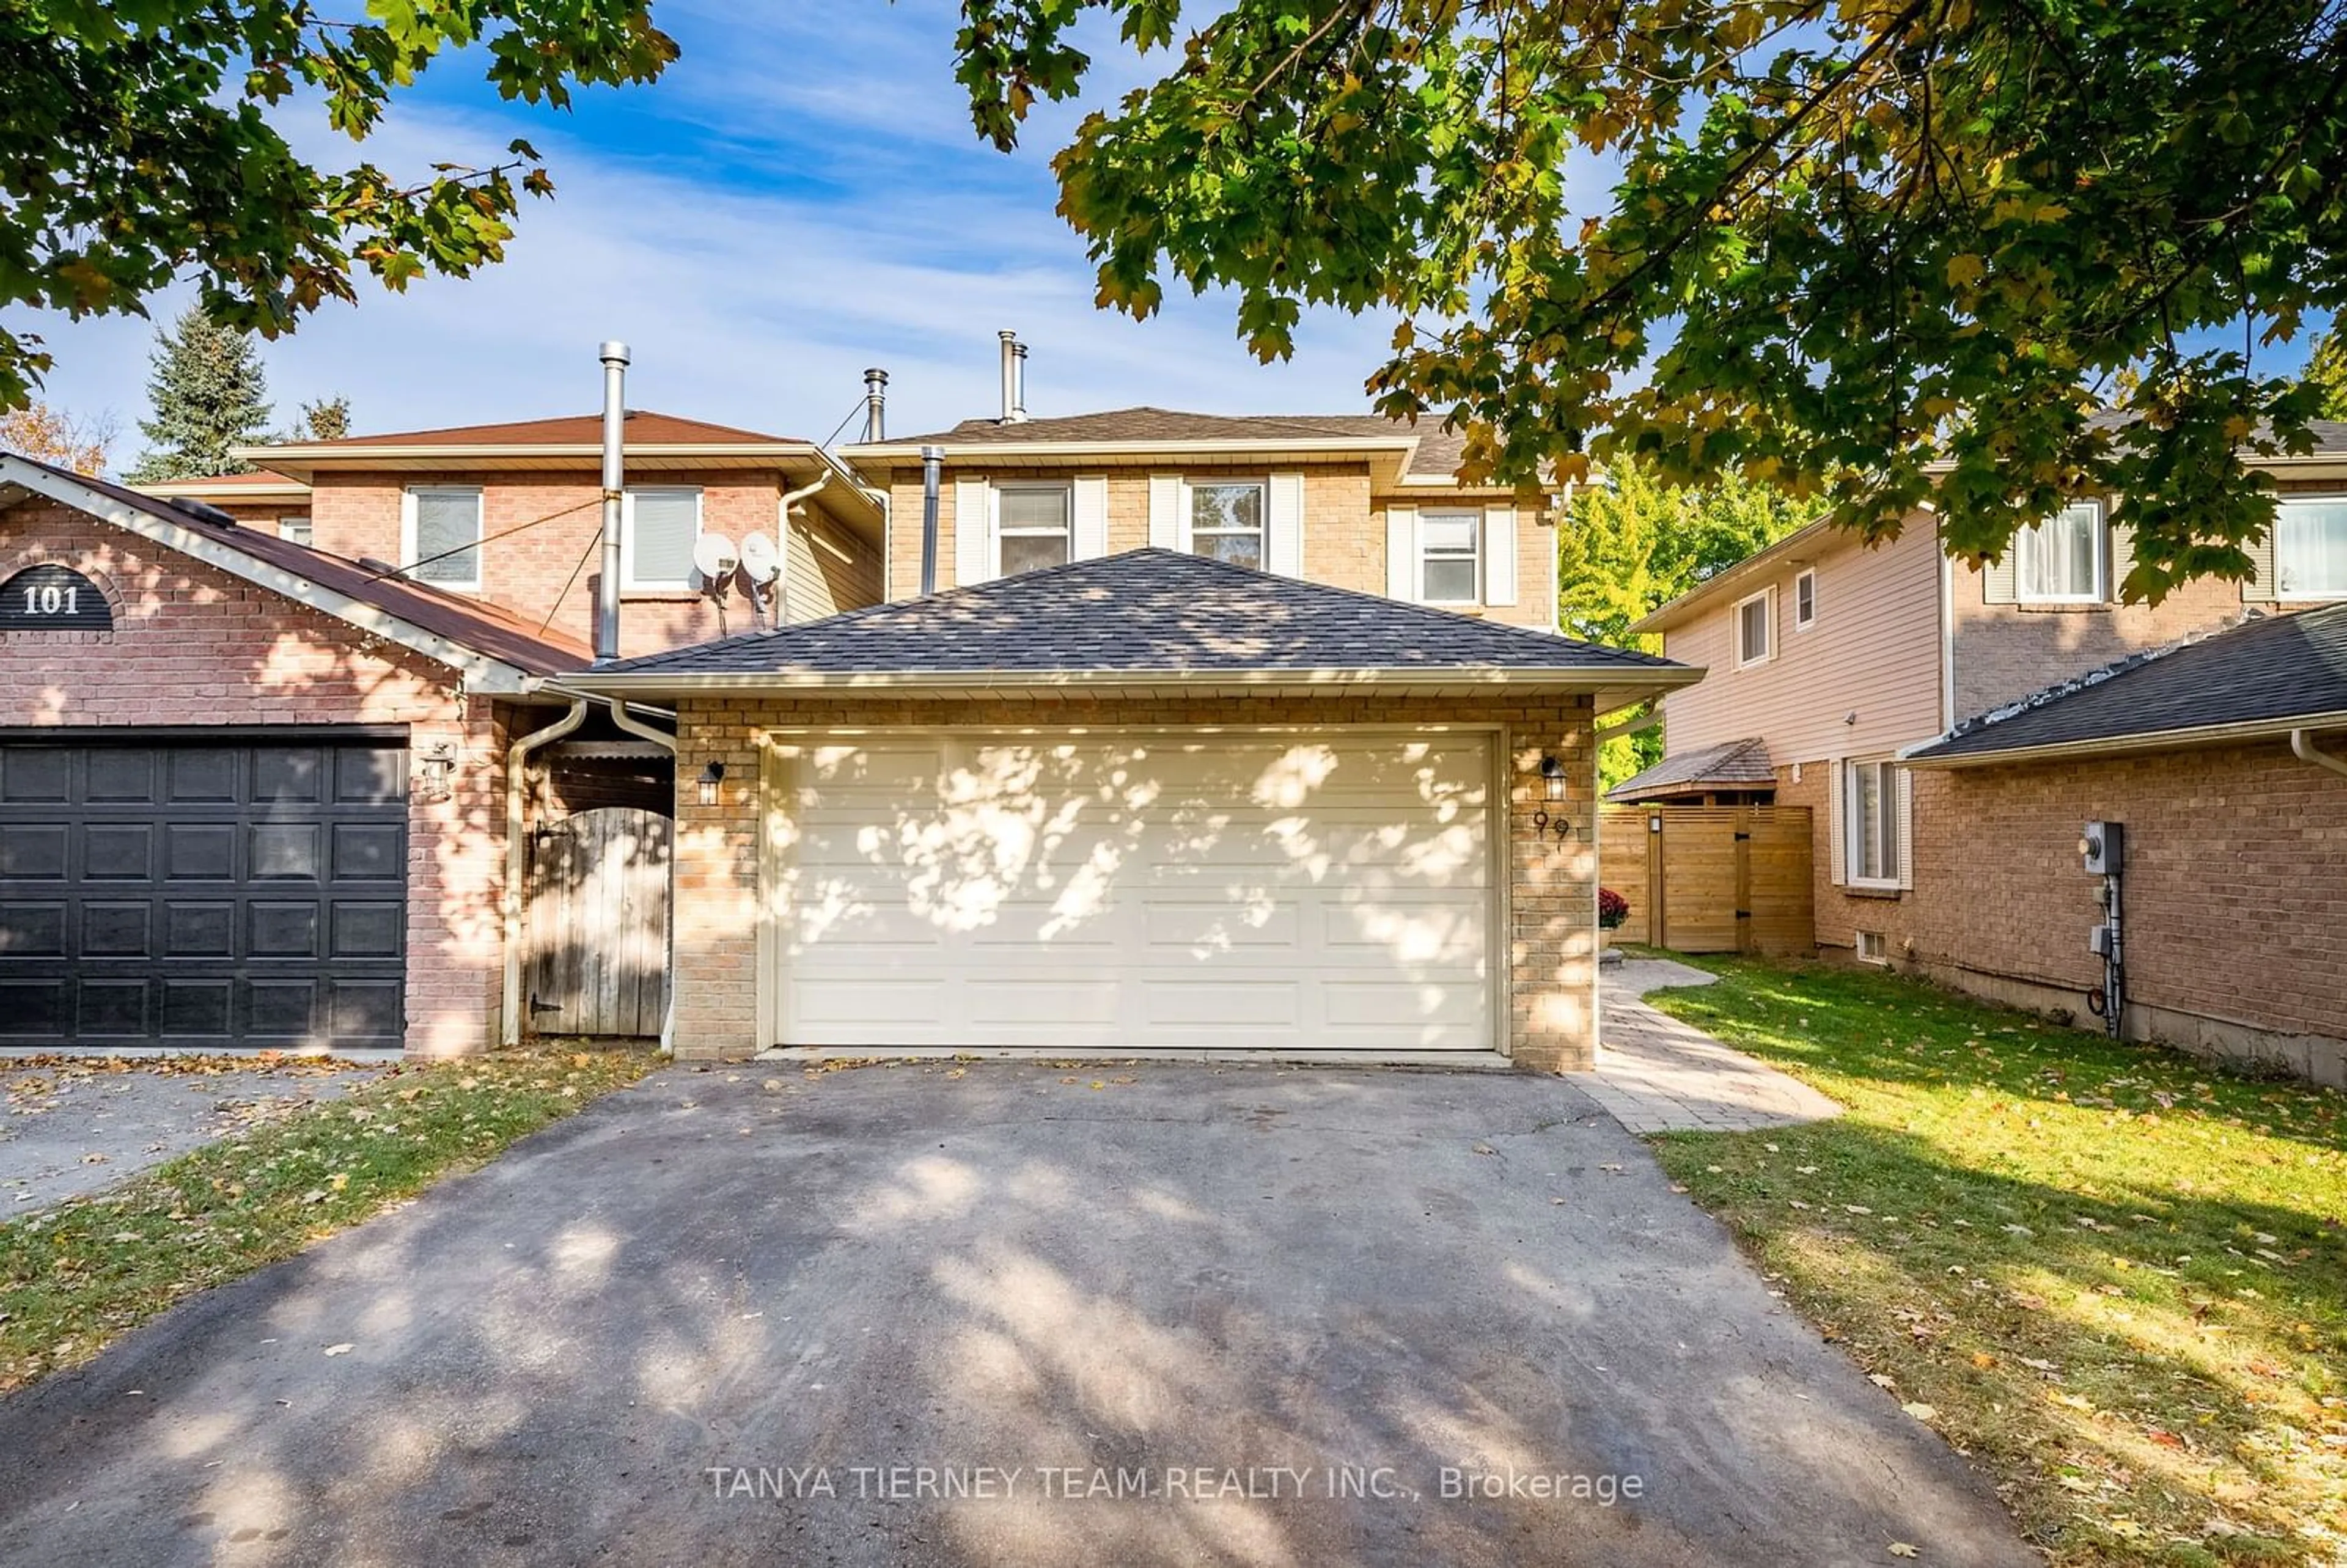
x=1872, y=948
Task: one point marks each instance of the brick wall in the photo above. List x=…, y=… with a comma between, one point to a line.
x=552, y=567
x=2236, y=894
x=1344, y=528
x=192, y=645
x=1551, y=948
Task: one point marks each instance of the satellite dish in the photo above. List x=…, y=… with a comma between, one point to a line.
x=714, y=555
x=760, y=558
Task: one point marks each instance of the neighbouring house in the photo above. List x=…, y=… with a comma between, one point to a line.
x=397, y=643
x=1839, y=660
x=249, y=792
x=2225, y=759
x=1144, y=802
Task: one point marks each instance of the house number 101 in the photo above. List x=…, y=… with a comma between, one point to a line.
x=51, y=599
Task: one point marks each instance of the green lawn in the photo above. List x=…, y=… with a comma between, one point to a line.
x=2114, y=1276
x=77, y=1276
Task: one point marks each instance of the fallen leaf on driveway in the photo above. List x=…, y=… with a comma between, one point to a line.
x=1485, y=1149
x=1921, y=1412
x=1901, y=1549
x=1613, y=1169
x=338, y=1350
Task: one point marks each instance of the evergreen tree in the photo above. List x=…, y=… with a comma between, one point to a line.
x=1630, y=544
x=210, y=394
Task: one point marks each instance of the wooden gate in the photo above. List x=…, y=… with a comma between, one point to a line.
x=598, y=923
x=1711, y=878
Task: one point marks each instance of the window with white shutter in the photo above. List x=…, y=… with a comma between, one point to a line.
x=1451, y=557
x=2065, y=559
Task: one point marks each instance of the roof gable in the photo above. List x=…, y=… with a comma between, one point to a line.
x=494, y=649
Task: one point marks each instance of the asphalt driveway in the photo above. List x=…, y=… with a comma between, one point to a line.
x=1006, y=1314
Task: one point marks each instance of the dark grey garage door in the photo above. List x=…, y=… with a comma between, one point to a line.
x=196, y=892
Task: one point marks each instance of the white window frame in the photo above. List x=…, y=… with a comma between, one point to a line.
x=629, y=581
x=1874, y=947
x=1192, y=532
x=2025, y=549
x=1852, y=826
x=1427, y=553
x=305, y=523
x=2283, y=589
x=408, y=551
x=1735, y=628
x=1066, y=530
x=1809, y=579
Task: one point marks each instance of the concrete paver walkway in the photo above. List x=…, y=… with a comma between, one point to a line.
x=1655, y=1074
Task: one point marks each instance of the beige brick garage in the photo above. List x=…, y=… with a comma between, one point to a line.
x=1422, y=775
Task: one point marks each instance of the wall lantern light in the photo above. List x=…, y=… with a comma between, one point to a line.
x=1553, y=777
x=711, y=778
x=435, y=770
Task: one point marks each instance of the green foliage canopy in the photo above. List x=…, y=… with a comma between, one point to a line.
x=1882, y=250
x=1631, y=544
x=140, y=140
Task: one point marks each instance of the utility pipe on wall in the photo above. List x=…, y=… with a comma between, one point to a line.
x=517, y=860
x=933, y=463
x=615, y=426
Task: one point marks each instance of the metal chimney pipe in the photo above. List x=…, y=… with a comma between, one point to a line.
x=1020, y=409
x=933, y=463
x=615, y=418
x=875, y=405
x=1009, y=376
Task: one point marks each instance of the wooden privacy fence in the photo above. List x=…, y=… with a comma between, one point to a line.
x=1711, y=878
x=598, y=923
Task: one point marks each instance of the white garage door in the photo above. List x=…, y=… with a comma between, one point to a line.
x=1274, y=893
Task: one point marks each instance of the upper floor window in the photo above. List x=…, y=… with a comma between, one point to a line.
x=295, y=528
x=1804, y=601
x=1031, y=524
x=1226, y=521
x=658, y=530
x=2065, y=559
x=2311, y=547
x=1450, y=557
x=1756, y=629
x=440, y=536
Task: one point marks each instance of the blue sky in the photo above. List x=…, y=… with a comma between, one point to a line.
x=794, y=200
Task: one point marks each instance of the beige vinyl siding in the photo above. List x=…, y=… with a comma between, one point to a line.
x=1343, y=520
x=827, y=570
x=1873, y=652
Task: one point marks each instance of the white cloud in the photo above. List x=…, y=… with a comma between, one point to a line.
x=869, y=229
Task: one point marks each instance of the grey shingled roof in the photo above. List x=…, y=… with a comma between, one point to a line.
x=1437, y=455
x=1146, y=611
x=2270, y=670
x=1731, y=764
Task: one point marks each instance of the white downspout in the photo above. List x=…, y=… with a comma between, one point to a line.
x=630, y=724
x=2301, y=746
x=783, y=588
x=518, y=859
